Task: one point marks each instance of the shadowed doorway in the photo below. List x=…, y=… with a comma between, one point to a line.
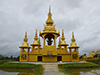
x=39, y=58
x=59, y=58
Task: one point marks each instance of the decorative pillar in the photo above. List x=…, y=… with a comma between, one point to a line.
x=55, y=40
x=20, y=50
x=71, y=53
x=43, y=40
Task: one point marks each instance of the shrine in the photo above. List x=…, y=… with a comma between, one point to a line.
x=50, y=51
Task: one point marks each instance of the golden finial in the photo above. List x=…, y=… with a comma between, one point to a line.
x=26, y=39
x=49, y=8
x=36, y=35
x=26, y=34
x=25, y=44
x=39, y=41
x=59, y=40
x=73, y=44
x=49, y=21
x=63, y=38
x=73, y=39
x=92, y=51
x=63, y=42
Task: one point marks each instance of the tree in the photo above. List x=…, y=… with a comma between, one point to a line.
x=2, y=57
x=17, y=59
x=7, y=58
x=11, y=57
x=85, y=54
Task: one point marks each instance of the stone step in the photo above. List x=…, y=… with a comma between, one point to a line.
x=52, y=69
x=53, y=73
x=49, y=66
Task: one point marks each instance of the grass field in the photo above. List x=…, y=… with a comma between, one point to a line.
x=96, y=62
x=22, y=65
x=19, y=65
x=76, y=65
x=17, y=70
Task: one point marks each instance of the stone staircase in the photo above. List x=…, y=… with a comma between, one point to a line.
x=51, y=69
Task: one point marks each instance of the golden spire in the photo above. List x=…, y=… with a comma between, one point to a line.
x=36, y=35
x=63, y=38
x=25, y=44
x=59, y=40
x=63, y=42
x=36, y=42
x=25, y=39
x=73, y=39
x=90, y=55
x=73, y=44
x=59, y=43
x=39, y=41
x=49, y=21
x=49, y=8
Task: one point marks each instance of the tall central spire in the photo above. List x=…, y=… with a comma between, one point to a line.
x=49, y=8
x=49, y=21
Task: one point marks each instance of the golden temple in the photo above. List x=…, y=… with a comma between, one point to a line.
x=94, y=56
x=49, y=52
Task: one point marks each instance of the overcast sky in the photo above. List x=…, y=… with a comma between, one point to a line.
x=80, y=16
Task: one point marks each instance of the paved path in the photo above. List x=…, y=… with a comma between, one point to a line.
x=51, y=69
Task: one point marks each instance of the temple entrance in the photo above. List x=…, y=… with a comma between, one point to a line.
x=39, y=58
x=59, y=58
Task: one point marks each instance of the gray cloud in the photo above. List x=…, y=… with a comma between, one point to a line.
x=18, y=16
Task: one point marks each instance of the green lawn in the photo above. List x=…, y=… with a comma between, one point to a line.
x=76, y=65
x=73, y=65
x=17, y=70
x=22, y=65
x=2, y=61
x=96, y=62
x=19, y=65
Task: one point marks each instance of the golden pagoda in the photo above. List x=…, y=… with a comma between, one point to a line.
x=93, y=53
x=49, y=52
x=90, y=55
